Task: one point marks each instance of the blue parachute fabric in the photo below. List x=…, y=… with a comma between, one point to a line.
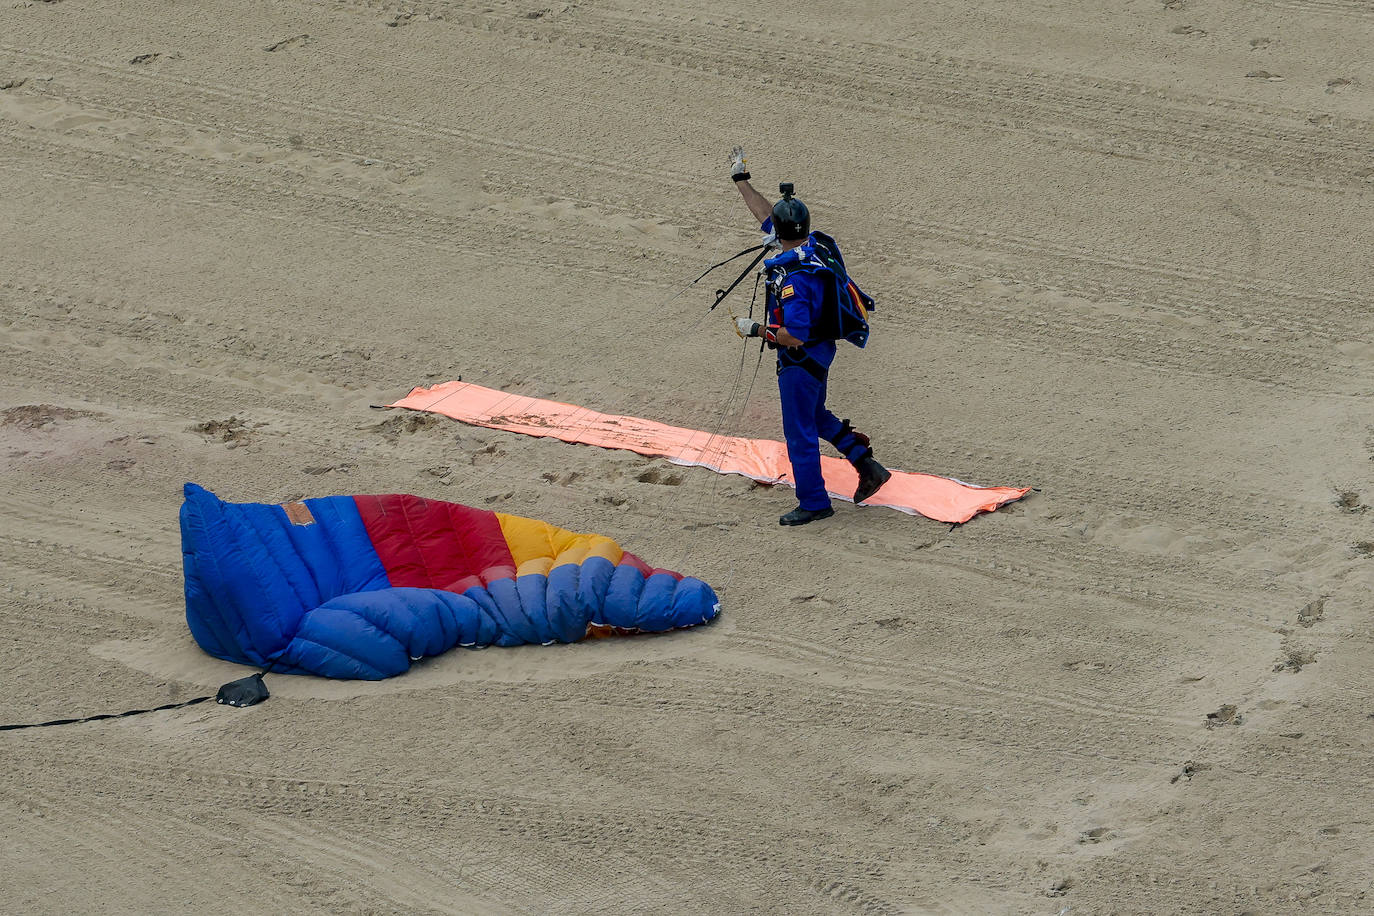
x=250, y=557
x=375, y=634
x=329, y=586
x=844, y=314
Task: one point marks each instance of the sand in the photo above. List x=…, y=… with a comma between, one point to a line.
x=1122, y=254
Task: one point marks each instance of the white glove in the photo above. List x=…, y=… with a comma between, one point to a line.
x=739, y=165
x=746, y=327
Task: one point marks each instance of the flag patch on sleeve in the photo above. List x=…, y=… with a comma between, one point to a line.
x=786, y=291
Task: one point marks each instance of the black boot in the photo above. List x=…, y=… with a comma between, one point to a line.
x=872, y=476
x=800, y=516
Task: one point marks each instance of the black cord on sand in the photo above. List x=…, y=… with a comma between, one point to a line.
x=109, y=715
x=246, y=691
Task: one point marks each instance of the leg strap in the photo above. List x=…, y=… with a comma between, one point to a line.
x=851, y=443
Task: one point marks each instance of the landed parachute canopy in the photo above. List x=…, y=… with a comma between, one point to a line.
x=360, y=586
x=941, y=498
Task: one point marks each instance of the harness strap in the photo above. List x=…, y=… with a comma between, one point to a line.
x=798, y=358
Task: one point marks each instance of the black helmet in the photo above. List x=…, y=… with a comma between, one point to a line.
x=791, y=219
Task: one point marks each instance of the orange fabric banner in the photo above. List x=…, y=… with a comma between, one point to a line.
x=941, y=498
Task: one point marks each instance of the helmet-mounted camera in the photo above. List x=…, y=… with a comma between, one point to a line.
x=791, y=219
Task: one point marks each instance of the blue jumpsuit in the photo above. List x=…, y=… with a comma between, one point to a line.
x=796, y=304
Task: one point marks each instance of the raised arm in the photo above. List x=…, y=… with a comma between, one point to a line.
x=756, y=202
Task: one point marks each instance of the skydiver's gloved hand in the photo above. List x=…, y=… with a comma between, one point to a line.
x=739, y=165
x=746, y=327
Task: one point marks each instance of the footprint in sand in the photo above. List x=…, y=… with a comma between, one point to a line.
x=409, y=16
x=39, y=416
x=1295, y=658
x=316, y=471
x=1190, y=769
x=1349, y=501
x=1226, y=715
x=658, y=476
x=486, y=455
x=1095, y=835
x=149, y=58
x=1058, y=887
x=294, y=41
x=442, y=471
x=405, y=424
x=233, y=432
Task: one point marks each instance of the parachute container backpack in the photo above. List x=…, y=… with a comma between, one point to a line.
x=847, y=317
x=844, y=314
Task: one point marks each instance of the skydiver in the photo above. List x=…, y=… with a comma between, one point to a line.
x=795, y=302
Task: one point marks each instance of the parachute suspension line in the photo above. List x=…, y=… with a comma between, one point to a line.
x=727, y=424
x=718, y=431
x=705, y=458
x=715, y=429
x=496, y=476
x=727, y=416
x=724, y=417
x=732, y=426
x=682, y=289
x=720, y=294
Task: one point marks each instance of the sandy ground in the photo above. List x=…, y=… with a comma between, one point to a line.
x=1123, y=255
